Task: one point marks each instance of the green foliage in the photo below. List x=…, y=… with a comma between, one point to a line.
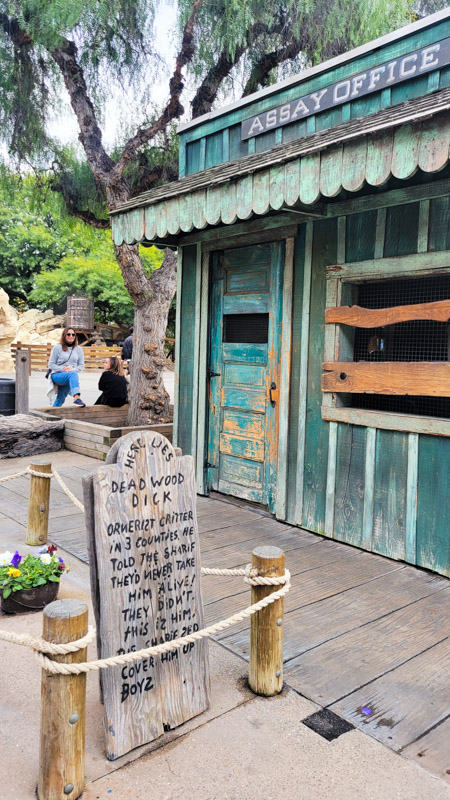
x=97, y=275
x=17, y=572
x=325, y=27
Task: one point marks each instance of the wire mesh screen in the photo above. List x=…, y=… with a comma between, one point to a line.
x=419, y=340
x=246, y=328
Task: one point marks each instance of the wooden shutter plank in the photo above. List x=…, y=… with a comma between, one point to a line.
x=428, y=379
x=358, y=317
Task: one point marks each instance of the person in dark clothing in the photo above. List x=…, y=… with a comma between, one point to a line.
x=113, y=384
x=127, y=347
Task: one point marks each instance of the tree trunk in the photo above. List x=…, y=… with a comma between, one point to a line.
x=149, y=401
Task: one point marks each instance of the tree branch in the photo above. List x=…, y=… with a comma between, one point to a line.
x=260, y=73
x=90, y=136
x=173, y=109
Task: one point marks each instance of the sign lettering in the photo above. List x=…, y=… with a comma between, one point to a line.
x=383, y=76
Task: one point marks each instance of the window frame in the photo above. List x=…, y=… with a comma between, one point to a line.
x=339, y=338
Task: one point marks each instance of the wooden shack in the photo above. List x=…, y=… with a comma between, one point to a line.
x=313, y=343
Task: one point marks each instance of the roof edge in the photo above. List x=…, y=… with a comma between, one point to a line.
x=374, y=44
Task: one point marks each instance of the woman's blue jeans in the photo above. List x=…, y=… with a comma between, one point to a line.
x=67, y=382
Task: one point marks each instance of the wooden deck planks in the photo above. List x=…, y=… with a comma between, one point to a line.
x=357, y=626
x=360, y=657
x=432, y=751
x=407, y=701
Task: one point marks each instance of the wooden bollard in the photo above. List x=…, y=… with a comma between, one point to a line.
x=22, y=382
x=266, y=627
x=38, y=504
x=63, y=707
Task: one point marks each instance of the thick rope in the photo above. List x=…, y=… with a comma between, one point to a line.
x=67, y=490
x=15, y=475
x=41, y=645
x=55, y=667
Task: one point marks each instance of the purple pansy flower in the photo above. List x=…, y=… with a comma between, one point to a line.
x=16, y=559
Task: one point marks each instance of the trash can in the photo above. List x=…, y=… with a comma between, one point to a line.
x=7, y=396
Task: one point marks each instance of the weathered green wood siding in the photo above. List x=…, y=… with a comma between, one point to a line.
x=433, y=504
x=187, y=346
x=316, y=443
x=190, y=159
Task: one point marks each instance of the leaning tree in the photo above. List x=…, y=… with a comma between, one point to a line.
x=98, y=49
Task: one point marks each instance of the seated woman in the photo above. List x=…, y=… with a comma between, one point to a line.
x=66, y=361
x=113, y=384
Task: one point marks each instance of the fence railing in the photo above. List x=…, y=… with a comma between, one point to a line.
x=40, y=353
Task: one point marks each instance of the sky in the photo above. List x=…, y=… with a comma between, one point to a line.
x=64, y=126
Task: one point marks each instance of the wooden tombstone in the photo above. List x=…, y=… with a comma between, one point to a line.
x=145, y=576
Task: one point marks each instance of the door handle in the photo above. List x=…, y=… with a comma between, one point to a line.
x=273, y=388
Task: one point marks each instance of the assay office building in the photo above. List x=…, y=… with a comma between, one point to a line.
x=313, y=342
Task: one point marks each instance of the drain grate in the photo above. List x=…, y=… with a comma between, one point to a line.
x=327, y=724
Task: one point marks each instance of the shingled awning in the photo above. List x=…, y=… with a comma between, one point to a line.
x=394, y=142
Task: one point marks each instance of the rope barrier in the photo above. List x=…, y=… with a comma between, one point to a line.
x=40, y=646
x=54, y=474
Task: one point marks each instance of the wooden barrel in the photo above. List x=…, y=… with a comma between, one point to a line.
x=80, y=313
x=7, y=396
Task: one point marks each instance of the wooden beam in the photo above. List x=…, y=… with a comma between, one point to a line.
x=394, y=197
x=359, y=317
x=389, y=421
x=216, y=234
x=425, y=378
x=415, y=264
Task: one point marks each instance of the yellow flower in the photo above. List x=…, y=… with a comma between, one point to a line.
x=14, y=573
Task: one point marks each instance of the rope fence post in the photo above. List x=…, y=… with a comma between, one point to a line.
x=38, y=504
x=63, y=707
x=22, y=381
x=266, y=627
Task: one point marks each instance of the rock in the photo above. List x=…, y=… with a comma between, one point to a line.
x=8, y=329
x=25, y=435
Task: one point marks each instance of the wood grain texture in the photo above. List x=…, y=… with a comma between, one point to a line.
x=265, y=675
x=147, y=561
x=62, y=746
x=381, y=648
x=38, y=504
x=430, y=379
x=388, y=420
x=358, y=317
x=431, y=751
x=402, y=701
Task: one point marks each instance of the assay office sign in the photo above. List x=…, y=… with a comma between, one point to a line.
x=380, y=77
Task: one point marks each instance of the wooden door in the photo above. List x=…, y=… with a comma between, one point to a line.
x=243, y=375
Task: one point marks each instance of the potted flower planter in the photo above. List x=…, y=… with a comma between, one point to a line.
x=30, y=582
x=29, y=599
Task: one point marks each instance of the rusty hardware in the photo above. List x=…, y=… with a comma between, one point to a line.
x=210, y=374
x=207, y=465
x=273, y=388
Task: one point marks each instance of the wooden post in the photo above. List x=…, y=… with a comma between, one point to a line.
x=38, y=504
x=63, y=707
x=266, y=627
x=22, y=381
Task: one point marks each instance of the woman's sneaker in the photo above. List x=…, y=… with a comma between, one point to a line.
x=79, y=402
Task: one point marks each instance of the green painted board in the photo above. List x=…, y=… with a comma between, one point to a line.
x=329, y=118
x=250, y=353
x=366, y=105
x=294, y=131
x=193, y=157
x=360, y=232
x=245, y=304
x=297, y=300
x=238, y=148
x=416, y=87
x=402, y=224
x=214, y=150
x=433, y=505
x=389, y=509
x=439, y=224
x=187, y=344
x=265, y=141
x=316, y=444
x=349, y=491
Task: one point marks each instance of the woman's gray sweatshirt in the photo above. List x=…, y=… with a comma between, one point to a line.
x=72, y=357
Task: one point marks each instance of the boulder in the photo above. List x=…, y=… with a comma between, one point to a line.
x=8, y=329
